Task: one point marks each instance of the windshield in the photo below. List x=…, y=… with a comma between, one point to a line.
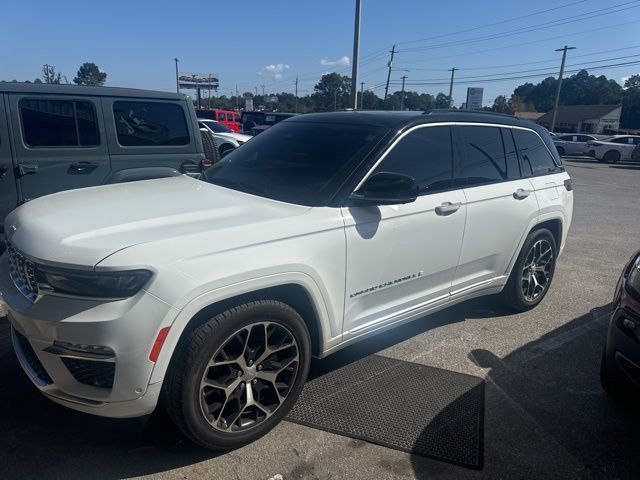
x=217, y=127
x=296, y=162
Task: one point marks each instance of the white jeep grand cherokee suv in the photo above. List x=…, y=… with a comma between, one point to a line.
x=214, y=294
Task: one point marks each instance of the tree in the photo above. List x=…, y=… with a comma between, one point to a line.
x=90, y=74
x=442, y=101
x=630, y=117
x=501, y=105
x=50, y=75
x=332, y=92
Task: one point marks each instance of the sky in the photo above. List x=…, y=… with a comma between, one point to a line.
x=254, y=43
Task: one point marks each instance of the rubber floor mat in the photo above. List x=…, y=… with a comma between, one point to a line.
x=415, y=408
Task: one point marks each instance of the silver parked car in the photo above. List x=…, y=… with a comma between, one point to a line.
x=572, y=144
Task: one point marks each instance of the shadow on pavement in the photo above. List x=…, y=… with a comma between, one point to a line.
x=546, y=414
x=626, y=167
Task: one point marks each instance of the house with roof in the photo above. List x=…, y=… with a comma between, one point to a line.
x=584, y=118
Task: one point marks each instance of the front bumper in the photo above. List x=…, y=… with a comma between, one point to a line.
x=114, y=385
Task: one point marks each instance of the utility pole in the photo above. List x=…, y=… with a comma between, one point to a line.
x=361, y=94
x=555, y=106
x=356, y=51
x=389, y=65
x=177, y=82
x=404, y=77
x=237, y=98
x=453, y=72
x=296, y=109
x=262, y=90
x=335, y=100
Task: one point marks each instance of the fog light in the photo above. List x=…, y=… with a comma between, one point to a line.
x=98, y=350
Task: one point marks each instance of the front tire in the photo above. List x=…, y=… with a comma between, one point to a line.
x=532, y=273
x=612, y=156
x=237, y=375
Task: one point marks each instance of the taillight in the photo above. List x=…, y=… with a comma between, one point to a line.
x=568, y=184
x=206, y=163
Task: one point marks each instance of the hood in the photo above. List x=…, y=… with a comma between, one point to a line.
x=236, y=136
x=81, y=227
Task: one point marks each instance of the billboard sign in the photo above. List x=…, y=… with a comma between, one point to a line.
x=474, y=98
x=208, y=81
x=271, y=99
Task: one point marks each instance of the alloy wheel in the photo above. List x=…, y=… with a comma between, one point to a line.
x=536, y=271
x=249, y=377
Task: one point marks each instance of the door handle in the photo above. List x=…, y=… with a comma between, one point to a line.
x=521, y=194
x=447, y=208
x=82, y=168
x=26, y=169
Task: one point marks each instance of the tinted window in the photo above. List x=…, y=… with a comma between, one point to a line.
x=513, y=166
x=535, y=158
x=567, y=138
x=296, y=162
x=206, y=114
x=59, y=123
x=150, y=124
x=217, y=127
x=222, y=117
x=424, y=154
x=484, y=159
x=584, y=138
x=620, y=140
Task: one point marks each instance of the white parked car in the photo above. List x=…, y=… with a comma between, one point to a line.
x=214, y=294
x=617, y=148
x=572, y=144
x=225, y=138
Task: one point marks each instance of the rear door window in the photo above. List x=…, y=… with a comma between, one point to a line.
x=484, y=159
x=150, y=124
x=58, y=123
x=222, y=117
x=534, y=155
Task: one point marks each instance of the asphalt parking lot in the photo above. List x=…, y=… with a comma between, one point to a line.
x=545, y=413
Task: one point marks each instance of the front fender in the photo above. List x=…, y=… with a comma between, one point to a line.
x=197, y=304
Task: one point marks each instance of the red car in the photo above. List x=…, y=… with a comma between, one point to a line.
x=226, y=117
x=620, y=367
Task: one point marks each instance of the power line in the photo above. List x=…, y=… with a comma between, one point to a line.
x=512, y=19
x=427, y=82
x=532, y=28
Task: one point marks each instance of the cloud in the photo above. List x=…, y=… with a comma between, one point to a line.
x=274, y=70
x=341, y=62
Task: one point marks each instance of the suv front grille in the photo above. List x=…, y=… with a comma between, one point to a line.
x=91, y=372
x=30, y=357
x=22, y=272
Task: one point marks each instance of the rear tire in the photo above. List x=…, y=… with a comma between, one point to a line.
x=612, y=156
x=531, y=276
x=245, y=349
x=209, y=146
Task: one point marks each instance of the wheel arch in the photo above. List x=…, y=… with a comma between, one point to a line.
x=554, y=225
x=299, y=295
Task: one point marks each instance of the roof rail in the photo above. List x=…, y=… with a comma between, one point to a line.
x=465, y=110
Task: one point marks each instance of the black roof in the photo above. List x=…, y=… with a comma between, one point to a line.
x=398, y=120
x=61, y=89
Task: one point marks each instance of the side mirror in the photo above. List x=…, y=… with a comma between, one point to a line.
x=386, y=188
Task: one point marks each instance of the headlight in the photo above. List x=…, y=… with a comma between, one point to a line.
x=633, y=280
x=91, y=284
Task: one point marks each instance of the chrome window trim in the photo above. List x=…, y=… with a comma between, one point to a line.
x=450, y=124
